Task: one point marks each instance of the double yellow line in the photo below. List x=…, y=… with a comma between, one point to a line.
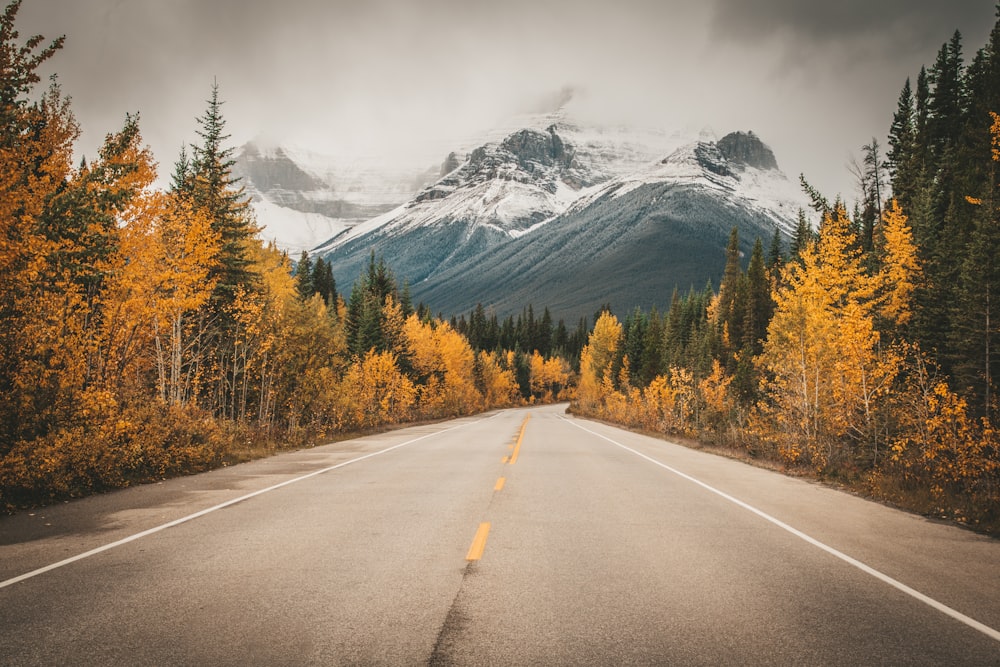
x=479, y=541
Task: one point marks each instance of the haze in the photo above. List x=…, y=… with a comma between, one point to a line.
x=407, y=80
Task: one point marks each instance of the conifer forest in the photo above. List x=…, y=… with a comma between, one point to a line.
x=148, y=331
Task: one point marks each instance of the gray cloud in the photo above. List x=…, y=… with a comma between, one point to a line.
x=412, y=77
x=889, y=25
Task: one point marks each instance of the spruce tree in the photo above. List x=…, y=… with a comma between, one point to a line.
x=304, y=277
x=217, y=192
x=730, y=283
x=759, y=306
x=804, y=236
x=902, y=148
x=544, y=337
x=775, y=254
x=323, y=282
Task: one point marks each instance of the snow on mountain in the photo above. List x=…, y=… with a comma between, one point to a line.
x=514, y=184
x=759, y=185
x=631, y=240
x=546, y=210
x=302, y=198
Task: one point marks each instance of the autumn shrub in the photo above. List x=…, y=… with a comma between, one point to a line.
x=113, y=449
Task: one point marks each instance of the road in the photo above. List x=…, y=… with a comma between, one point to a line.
x=520, y=537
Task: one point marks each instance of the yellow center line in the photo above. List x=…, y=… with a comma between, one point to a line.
x=479, y=542
x=520, y=437
x=499, y=484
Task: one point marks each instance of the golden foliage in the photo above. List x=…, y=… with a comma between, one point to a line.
x=901, y=271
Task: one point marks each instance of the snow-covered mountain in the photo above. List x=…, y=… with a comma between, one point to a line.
x=569, y=216
x=632, y=239
x=302, y=198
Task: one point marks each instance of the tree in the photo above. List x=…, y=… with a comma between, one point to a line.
x=184, y=249
x=730, y=285
x=323, y=282
x=822, y=360
x=902, y=155
x=304, y=283
x=775, y=254
x=901, y=268
x=597, y=359
x=36, y=140
x=976, y=319
x=213, y=188
x=803, y=236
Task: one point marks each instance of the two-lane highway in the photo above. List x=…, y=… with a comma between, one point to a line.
x=523, y=537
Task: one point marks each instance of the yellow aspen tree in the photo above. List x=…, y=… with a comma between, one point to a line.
x=821, y=356
x=459, y=362
x=445, y=362
x=497, y=384
x=901, y=271
x=659, y=401
x=381, y=393
x=182, y=250
x=547, y=376
x=714, y=391
x=596, y=361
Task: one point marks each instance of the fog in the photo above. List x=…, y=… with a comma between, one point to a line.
x=408, y=79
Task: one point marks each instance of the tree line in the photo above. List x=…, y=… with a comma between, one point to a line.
x=146, y=332
x=867, y=353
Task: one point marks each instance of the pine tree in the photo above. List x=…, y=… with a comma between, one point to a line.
x=803, y=237
x=304, y=277
x=976, y=319
x=775, y=254
x=759, y=304
x=729, y=319
x=902, y=155
x=946, y=98
x=213, y=189
x=544, y=336
x=323, y=282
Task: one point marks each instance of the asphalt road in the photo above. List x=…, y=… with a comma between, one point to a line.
x=522, y=537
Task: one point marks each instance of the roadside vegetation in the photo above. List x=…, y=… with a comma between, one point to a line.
x=147, y=333
x=865, y=354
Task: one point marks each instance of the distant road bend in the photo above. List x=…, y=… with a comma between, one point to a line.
x=520, y=537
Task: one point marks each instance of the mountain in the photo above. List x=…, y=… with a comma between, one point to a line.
x=630, y=241
x=303, y=198
x=571, y=217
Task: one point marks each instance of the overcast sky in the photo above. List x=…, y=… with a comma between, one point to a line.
x=815, y=80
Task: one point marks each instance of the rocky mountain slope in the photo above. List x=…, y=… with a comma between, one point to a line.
x=573, y=217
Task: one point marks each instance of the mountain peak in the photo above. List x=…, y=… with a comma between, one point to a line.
x=745, y=148
x=546, y=148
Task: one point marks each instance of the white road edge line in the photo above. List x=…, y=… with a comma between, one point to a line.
x=191, y=517
x=929, y=601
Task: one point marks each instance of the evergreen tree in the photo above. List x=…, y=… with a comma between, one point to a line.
x=946, y=98
x=560, y=339
x=902, y=155
x=921, y=103
x=775, y=254
x=759, y=305
x=405, y=300
x=544, y=337
x=323, y=282
x=304, y=277
x=651, y=362
x=216, y=192
x=728, y=316
x=803, y=237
